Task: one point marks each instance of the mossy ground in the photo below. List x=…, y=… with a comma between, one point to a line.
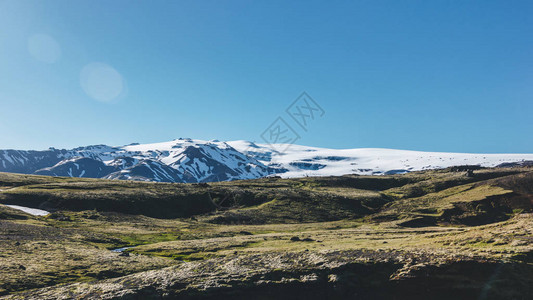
x=440, y=213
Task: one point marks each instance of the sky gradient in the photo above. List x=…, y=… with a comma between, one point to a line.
x=454, y=76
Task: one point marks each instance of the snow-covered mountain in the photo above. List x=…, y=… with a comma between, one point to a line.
x=188, y=160
x=297, y=161
x=181, y=160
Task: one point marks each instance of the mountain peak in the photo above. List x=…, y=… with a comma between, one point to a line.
x=190, y=160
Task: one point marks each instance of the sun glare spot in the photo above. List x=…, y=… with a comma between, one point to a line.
x=44, y=48
x=101, y=82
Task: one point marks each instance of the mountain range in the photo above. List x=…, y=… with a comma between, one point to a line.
x=191, y=161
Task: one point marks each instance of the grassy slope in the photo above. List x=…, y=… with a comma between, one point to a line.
x=484, y=217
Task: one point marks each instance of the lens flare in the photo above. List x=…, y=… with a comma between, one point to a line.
x=101, y=82
x=44, y=48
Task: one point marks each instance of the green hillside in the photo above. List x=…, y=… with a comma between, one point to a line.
x=424, y=234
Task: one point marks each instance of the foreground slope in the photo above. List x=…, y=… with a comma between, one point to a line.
x=439, y=234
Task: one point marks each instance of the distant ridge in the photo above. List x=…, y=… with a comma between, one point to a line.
x=189, y=160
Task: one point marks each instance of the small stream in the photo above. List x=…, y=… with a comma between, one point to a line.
x=120, y=250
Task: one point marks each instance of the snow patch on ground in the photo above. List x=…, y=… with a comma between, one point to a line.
x=29, y=210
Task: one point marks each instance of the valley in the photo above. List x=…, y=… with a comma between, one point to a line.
x=433, y=233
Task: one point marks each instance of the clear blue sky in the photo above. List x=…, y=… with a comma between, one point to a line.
x=422, y=75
